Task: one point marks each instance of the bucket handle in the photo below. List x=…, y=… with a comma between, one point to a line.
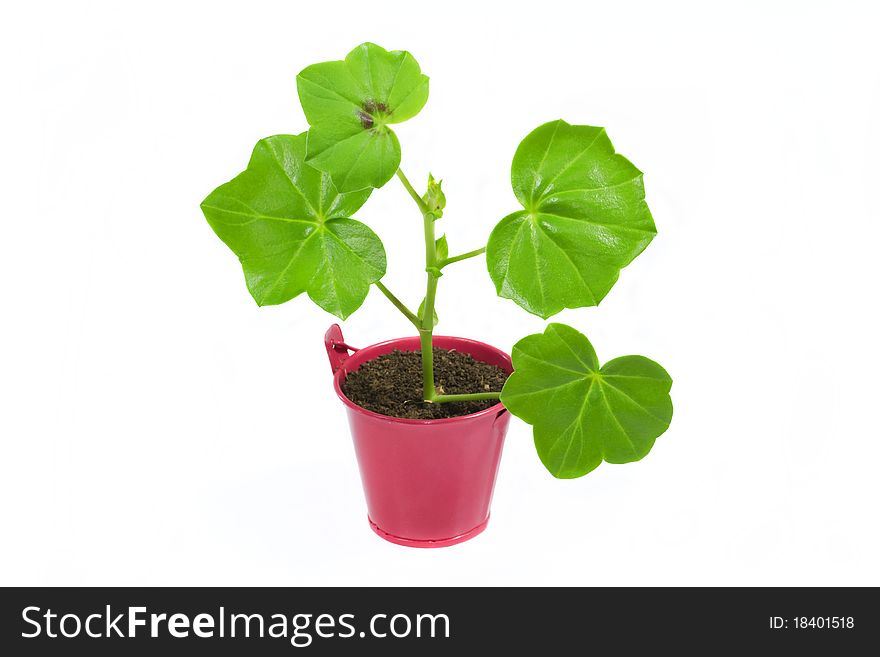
x=337, y=349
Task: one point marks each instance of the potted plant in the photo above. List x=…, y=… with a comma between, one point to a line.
x=429, y=413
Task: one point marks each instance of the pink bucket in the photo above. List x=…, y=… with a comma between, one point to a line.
x=428, y=483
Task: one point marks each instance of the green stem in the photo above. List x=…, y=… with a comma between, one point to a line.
x=412, y=192
x=430, y=266
x=425, y=323
x=476, y=396
x=426, y=331
x=427, y=344
x=411, y=316
x=463, y=256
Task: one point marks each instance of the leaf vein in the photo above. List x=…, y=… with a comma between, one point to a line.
x=638, y=405
x=572, y=161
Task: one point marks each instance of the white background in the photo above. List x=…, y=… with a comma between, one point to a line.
x=159, y=428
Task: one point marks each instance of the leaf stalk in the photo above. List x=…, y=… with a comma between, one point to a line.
x=410, y=315
x=463, y=256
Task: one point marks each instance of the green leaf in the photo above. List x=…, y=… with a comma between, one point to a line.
x=291, y=230
x=421, y=312
x=583, y=414
x=442, y=247
x=584, y=219
x=349, y=105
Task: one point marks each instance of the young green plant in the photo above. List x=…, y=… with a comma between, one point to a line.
x=583, y=217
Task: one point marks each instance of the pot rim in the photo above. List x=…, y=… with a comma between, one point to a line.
x=494, y=409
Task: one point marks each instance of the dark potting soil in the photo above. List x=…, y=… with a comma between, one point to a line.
x=392, y=384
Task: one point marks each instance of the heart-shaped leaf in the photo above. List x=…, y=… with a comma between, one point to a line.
x=349, y=105
x=583, y=414
x=291, y=230
x=584, y=219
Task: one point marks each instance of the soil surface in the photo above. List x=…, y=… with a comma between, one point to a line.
x=392, y=384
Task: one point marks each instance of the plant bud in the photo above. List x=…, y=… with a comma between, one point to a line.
x=434, y=198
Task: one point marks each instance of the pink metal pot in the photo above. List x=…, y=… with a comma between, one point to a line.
x=428, y=483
